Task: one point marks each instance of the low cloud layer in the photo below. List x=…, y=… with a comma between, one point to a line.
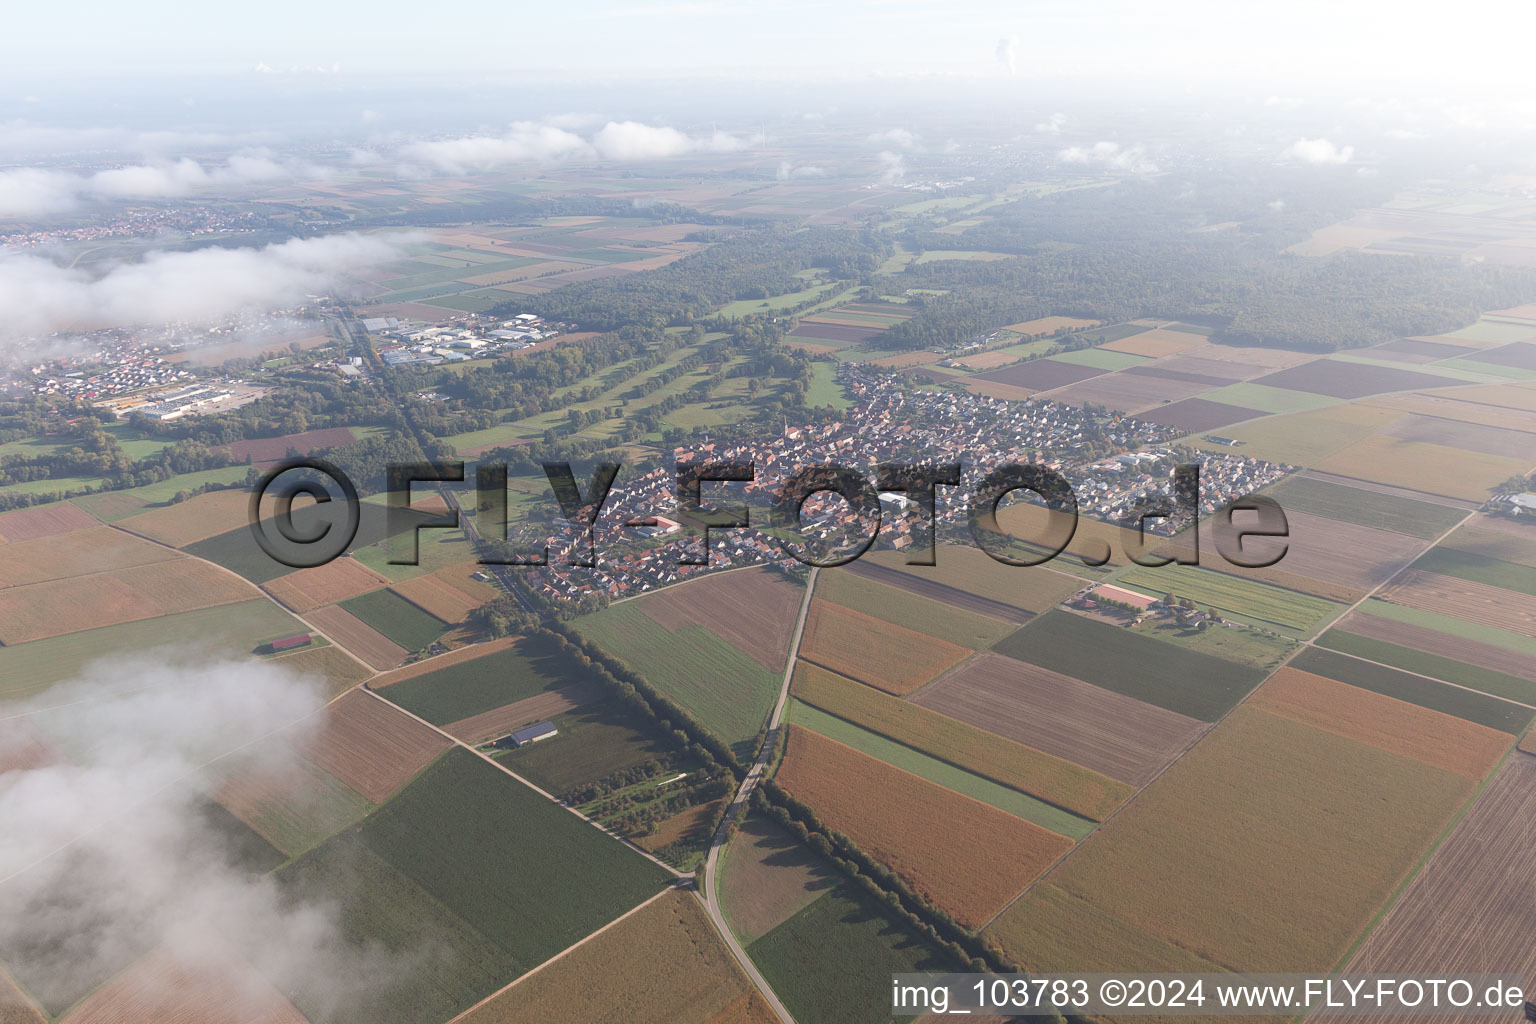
x=38, y=297
x=1111, y=156
x=109, y=851
x=1008, y=54
x=1318, y=151
x=543, y=142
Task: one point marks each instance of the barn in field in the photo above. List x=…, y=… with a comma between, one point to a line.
x=291, y=643
x=533, y=734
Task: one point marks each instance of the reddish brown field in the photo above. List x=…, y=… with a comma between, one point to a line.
x=453, y=657
x=195, y=519
x=1333, y=559
x=963, y=855
x=920, y=358
x=1127, y=392
x=1464, y=599
x=449, y=594
x=813, y=329
x=1470, y=908
x=873, y=651
x=1197, y=414
x=14, y=1007
x=43, y=521
x=1198, y=369
x=997, y=389
x=690, y=823
x=108, y=505
x=1386, y=723
x=989, y=360
x=753, y=609
x=271, y=449
x=23, y=747
x=1472, y=652
x=1156, y=343
x=373, y=746
x=1040, y=374
x=1475, y=437
x=498, y=722
x=938, y=592
x=218, y=989
x=358, y=637
x=1338, y=379
x=335, y=581
x=1116, y=735
x=1048, y=325
x=767, y=876
x=126, y=595
x=81, y=553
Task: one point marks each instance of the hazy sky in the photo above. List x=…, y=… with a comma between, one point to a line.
x=1310, y=42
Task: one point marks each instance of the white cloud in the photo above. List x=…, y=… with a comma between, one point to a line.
x=633, y=140
x=1052, y=125
x=35, y=192
x=789, y=172
x=1318, y=151
x=1276, y=205
x=1132, y=159
x=1007, y=54
x=30, y=192
x=39, y=297
x=900, y=137
x=525, y=142
x=893, y=168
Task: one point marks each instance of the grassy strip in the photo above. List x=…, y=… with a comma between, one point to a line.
x=1479, y=569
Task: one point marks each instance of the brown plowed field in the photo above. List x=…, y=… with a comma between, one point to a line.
x=1159, y=371
x=1441, y=740
x=1414, y=350
x=969, y=570
x=438, y=598
x=918, y=358
x=160, y=989
x=453, y=657
x=989, y=360
x=373, y=746
x=997, y=389
x=126, y=595
x=1127, y=392
x=965, y=856
x=271, y=449
x=1338, y=379
x=1156, y=343
x=1196, y=414
x=1048, y=325
x=81, y=553
x=1474, y=437
x=1509, y=540
x=691, y=822
x=43, y=521
x=767, y=876
x=753, y=610
x=23, y=747
x=14, y=1008
x=195, y=519
x=1472, y=652
x=1256, y=357
x=325, y=584
x=1116, y=735
x=1451, y=407
x=1209, y=365
x=939, y=592
x=358, y=637
x=873, y=651
x=1470, y=909
x=500, y=721
x=1520, y=354
x=1464, y=599
x=833, y=332
x=1350, y=557
x=1041, y=374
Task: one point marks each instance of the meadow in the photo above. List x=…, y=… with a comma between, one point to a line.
x=470, y=686
x=396, y=618
x=909, y=610
x=594, y=742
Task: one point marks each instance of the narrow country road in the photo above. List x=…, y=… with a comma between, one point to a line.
x=711, y=892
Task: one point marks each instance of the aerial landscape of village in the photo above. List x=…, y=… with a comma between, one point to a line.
x=577, y=537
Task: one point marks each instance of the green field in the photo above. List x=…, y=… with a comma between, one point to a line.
x=593, y=742
x=1100, y=359
x=1241, y=599
x=943, y=773
x=746, y=307
x=381, y=913
x=1474, y=707
x=1423, y=519
x=460, y=691
x=1117, y=659
x=1479, y=569
x=395, y=617
x=904, y=608
x=728, y=692
x=521, y=870
x=1259, y=649
x=1488, y=681
x=1464, y=628
x=825, y=390
x=228, y=630
x=1267, y=399
x=831, y=963
x=324, y=806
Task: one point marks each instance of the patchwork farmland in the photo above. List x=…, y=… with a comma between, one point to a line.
x=890, y=658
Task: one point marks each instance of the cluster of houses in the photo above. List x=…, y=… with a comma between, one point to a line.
x=1137, y=606
x=461, y=339
x=640, y=548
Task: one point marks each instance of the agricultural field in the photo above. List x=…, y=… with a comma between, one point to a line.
x=57, y=607
x=718, y=683
x=396, y=618
x=1337, y=378
x=43, y=521
x=1193, y=415
x=968, y=578
x=288, y=801
x=1155, y=343
x=909, y=824
x=766, y=877
x=891, y=658
x=372, y=747
x=1488, y=608
x=80, y=553
x=1496, y=538
x=1104, y=731
x=217, y=989
x=1051, y=778
x=1178, y=679
x=1040, y=374
x=489, y=725
x=1494, y=572
x=941, y=773
x=224, y=630
x=1332, y=825
x=1243, y=599
x=612, y=978
x=831, y=962
x=1491, y=670
x=594, y=741
x=1465, y=890
x=308, y=589
x=909, y=610
x=1421, y=466
x=1472, y=706
x=1305, y=438
x=448, y=594
x=1424, y=520
x=1130, y=393
x=358, y=637
x=753, y=610
x=492, y=851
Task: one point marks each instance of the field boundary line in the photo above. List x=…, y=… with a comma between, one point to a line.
x=503, y=768
x=568, y=949
x=1301, y=646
